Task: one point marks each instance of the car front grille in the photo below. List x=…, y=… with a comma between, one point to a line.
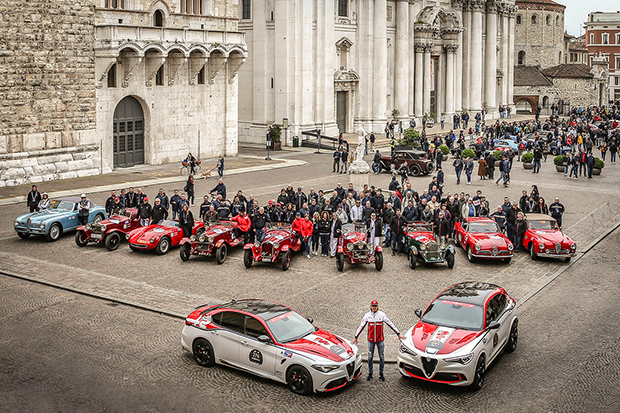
x=442, y=377
x=336, y=383
x=96, y=229
x=350, y=368
x=429, y=364
x=432, y=247
x=266, y=249
x=28, y=223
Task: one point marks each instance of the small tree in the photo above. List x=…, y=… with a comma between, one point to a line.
x=395, y=113
x=527, y=157
x=468, y=153
x=444, y=149
x=558, y=160
x=598, y=163
x=497, y=155
x=411, y=137
x=274, y=132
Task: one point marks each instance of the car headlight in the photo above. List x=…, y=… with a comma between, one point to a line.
x=422, y=247
x=42, y=225
x=510, y=246
x=210, y=240
x=88, y=227
x=202, y=238
x=478, y=247
x=371, y=247
x=404, y=349
x=152, y=240
x=350, y=247
x=103, y=227
x=16, y=222
x=461, y=359
x=442, y=246
x=257, y=244
x=325, y=368
x=192, y=238
x=276, y=245
x=126, y=236
x=541, y=246
x=573, y=246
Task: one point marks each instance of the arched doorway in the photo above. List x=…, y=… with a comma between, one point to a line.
x=128, y=133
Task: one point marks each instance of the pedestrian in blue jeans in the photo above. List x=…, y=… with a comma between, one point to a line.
x=375, y=320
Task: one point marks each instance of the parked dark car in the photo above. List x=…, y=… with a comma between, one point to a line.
x=416, y=160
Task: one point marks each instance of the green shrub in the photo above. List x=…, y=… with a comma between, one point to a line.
x=468, y=153
x=411, y=137
x=275, y=132
x=444, y=149
x=598, y=163
x=497, y=155
x=559, y=160
x=527, y=157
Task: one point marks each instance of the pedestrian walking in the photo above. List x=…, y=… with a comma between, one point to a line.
x=220, y=166
x=189, y=189
x=336, y=165
x=458, y=168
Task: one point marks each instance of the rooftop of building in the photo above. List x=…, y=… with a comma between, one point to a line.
x=604, y=16
x=530, y=76
x=568, y=71
x=543, y=4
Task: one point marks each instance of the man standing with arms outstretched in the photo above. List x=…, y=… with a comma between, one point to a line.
x=375, y=320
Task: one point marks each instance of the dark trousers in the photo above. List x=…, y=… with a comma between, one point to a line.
x=315, y=242
x=324, y=244
x=510, y=229
x=187, y=230
x=239, y=234
x=397, y=241
x=336, y=167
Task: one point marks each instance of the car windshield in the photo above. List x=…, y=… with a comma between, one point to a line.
x=543, y=224
x=56, y=204
x=289, y=326
x=483, y=227
x=169, y=223
x=454, y=314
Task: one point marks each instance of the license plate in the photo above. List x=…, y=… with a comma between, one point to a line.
x=142, y=241
x=95, y=236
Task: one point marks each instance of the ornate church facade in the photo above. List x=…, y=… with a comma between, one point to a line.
x=336, y=64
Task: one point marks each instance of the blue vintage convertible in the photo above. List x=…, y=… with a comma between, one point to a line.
x=61, y=216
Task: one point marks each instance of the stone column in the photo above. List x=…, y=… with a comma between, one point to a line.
x=490, y=87
x=504, y=57
x=379, y=59
x=419, y=80
x=401, y=71
x=427, y=79
x=475, y=77
x=511, y=57
x=365, y=49
x=450, y=75
x=466, y=57
x=458, y=94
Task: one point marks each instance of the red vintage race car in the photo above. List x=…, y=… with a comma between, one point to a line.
x=481, y=238
x=160, y=237
x=544, y=238
x=354, y=248
x=279, y=242
x=108, y=232
x=213, y=240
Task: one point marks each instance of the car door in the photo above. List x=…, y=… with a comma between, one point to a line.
x=226, y=341
x=71, y=220
x=495, y=312
x=460, y=232
x=255, y=355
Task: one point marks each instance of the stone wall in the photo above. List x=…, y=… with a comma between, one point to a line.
x=542, y=43
x=575, y=92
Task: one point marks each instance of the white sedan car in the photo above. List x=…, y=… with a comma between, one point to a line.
x=272, y=341
x=459, y=335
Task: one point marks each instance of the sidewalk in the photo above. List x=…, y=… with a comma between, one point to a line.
x=141, y=175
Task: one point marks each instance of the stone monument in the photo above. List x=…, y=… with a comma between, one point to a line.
x=359, y=170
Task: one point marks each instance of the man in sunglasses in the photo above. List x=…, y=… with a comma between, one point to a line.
x=375, y=320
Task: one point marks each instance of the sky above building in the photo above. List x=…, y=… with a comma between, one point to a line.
x=577, y=12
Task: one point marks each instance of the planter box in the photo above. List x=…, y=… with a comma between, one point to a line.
x=527, y=165
x=498, y=164
x=559, y=168
x=596, y=171
x=274, y=146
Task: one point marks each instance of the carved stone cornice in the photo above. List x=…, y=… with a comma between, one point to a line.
x=477, y=5
x=511, y=10
x=492, y=6
x=419, y=48
x=451, y=48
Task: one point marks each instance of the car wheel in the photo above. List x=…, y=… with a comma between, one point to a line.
x=81, y=239
x=413, y=260
x=23, y=235
x=163, y=246
x=54, y=232
x=299, y=380
x=378, y=260
x=470, y=255
x=286, y=260
x=415, y=170
x=554, y=152
x=221, y=253
x=98, y=218
x=185, y=252
x=450, y=259
x=479, y=375
x=513, y=338
x=248, y=258
x=340, y=261
x=203, y=353
x=112, y=241
x=533, y=251
x=507, y=260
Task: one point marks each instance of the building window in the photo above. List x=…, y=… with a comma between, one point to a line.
x=159, y=77
x=115, y=4
x=557, y=20
x=201, y=76
x=560, y=58
x=246, y=9
x=534, y=19
x=605, y=38
x=617, y=81
x=343, y=8
x=521, y=58
x=518, y=19
x=617, y=63
x=591, y=38
x=617, y=38
x=545, y=102
x=548, y=20
x=191, y=6
x=112, y=76
x=158, y=18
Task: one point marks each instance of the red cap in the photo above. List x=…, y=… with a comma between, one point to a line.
x=374, y=302
x=146, y=198
x=117, y=199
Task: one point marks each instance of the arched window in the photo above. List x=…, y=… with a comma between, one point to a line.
x=545, y=102
x=557, y=20
x=534, y=19
x=158, y=18
x=521, y=58
x=518, y=19
x=548, y=19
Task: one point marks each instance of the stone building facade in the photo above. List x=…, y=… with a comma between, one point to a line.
x=539, y=33
x=575, y=49
x=90, y=85
x=337, y=64
x=603, y=40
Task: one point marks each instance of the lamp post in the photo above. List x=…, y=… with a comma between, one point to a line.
x=268, y=138
x=318, y=136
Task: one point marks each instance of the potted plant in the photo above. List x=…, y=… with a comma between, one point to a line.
x=598, y=166
x=444, y=149
x=468, y=153
x=274, y=137
x=497, y=154
x=411, y=137
x=395, y=113
x=559, y=163
x=527, y=159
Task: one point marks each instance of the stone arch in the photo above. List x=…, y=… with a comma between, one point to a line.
x=531, y=100
x=518, y=19
x=534, y=19
x=160, y=5
x=521, y=58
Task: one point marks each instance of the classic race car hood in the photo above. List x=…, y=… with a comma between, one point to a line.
x=355, y=237
x=549, y=235
x=152, y=231
x=323, y=344
x=215, y=230
x=422, y=236
x=435, y=339
x=115, y=220
x=44, y=215
x=276, y=236
x=489, y=240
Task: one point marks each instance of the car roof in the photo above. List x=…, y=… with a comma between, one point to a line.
x=539, y=217
x=69, y=198
x=260, y=308
x=472, y=292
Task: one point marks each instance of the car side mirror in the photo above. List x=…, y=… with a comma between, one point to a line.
x=493, y=325
x=418, y=312
x=264, y=339
x=310, y=320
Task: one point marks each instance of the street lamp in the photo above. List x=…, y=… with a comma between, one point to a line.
x=285, y=127
x=268, y=139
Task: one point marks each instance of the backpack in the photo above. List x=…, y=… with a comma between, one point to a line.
x=521, y=146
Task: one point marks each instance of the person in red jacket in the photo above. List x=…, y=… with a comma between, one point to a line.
x=298, y=226
x=375, y=320
x=307, y=228
x=243, y=225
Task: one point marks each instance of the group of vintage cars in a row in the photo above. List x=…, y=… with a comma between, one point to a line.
x=480, y=237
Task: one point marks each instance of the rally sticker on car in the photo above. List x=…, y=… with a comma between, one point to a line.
x=438, y=339
x=337, y=350
x=115, y=221
x=158, y=230
x=218, y=230
x=256, y=357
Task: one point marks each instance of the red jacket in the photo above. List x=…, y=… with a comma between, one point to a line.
x=375, y=323
x=243, y=222
x=306, y=228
